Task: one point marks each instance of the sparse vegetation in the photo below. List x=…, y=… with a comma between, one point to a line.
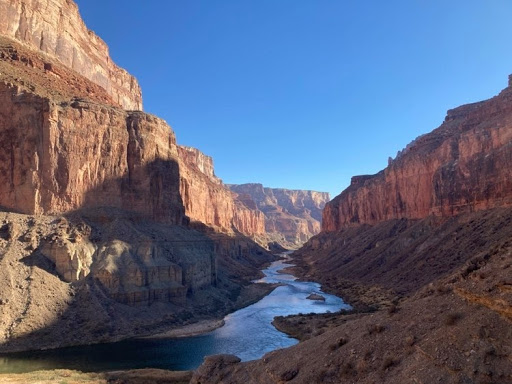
x=341, y=341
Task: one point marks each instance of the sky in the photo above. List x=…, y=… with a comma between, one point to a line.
x=304, y=94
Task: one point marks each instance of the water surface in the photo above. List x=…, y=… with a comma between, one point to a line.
x=247, y=333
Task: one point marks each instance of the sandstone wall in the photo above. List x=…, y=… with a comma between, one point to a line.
x=208, y=201
x=59, y=157
x=56, y=28
x=462, y=166
x=193, y=157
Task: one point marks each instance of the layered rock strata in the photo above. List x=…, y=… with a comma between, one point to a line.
x=57, y=157
x=55, y=28
x=459, y=167
x=209, y=201
x=291, y=216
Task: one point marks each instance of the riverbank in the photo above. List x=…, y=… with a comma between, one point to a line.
x=361, y=297
x=247, y=333
x=249, y=295
x=137, y=376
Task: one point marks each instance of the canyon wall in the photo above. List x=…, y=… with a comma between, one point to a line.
x=56, y=157
x=291, y=216
x=462, y=166
x=55, y=28
x=209, y=201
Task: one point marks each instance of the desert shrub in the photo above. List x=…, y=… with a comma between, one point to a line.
x=388, y=362
x=289, y=375
x=452, y=318
x=443, y=289
x=340, y=342
x=410, y=340
x=375, y=328
x=393, y=308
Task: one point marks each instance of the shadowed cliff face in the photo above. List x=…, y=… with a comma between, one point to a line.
x=54, y=154
x=56, y=28
x=462, y=166
x=291, y=216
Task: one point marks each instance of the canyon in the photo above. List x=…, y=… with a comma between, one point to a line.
x=110, y=229
x=105, y=219
x=422, y=252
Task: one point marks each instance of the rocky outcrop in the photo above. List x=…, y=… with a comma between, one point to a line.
x=291, y=216
x=55, y=28
x=194, y=158
x=70, y=249
x=462, y=166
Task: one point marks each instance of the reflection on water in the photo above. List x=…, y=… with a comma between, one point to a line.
x=248, y=333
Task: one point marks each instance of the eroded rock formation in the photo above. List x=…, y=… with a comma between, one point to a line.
x=60, y=156
x=291, y=216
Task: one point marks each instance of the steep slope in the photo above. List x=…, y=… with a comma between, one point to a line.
x=422, y=250
x=457, y=330
x=291, y=216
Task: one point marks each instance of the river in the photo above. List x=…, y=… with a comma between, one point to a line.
x=247, y=333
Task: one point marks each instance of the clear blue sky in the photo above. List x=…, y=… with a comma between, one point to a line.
x=306, y=93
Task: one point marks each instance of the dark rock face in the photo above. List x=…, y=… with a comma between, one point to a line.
x=291, y=216
x=462, y=166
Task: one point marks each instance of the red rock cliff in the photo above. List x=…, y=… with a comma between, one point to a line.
x=59, y=153
x=56, y=157
x=56, y=28
x=462, y=166
x=209, y=201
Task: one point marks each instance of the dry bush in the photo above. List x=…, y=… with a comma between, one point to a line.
x=340, y=342
x=388, y=362
x=410, y=340
x=452, y=318
x=375, y=328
